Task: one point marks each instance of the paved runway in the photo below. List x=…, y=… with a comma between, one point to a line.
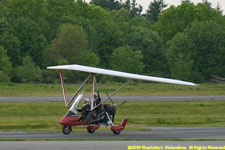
x=156, y=133
x=118, y=98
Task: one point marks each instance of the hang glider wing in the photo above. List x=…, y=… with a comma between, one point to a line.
x=120, y=74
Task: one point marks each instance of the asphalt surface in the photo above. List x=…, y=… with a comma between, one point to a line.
x=110, y=145
x=118, y=98
x=156, y=133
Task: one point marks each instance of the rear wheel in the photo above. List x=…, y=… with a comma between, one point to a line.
x=92, y=130
x=66, y=129
x=116, y=132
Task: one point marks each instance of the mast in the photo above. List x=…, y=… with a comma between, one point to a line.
x=92, y=91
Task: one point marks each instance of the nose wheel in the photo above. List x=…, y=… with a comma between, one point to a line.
x=66, y=129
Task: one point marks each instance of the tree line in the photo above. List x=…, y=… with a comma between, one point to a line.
x=184, y=42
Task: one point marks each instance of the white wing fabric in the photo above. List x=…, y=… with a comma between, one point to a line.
x=119, y=74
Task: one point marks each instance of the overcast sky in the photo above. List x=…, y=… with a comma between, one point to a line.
x=145, y=3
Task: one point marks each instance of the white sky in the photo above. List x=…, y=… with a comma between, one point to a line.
x=145, y=3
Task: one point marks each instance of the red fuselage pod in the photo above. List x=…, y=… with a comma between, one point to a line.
x=72, y=121
x=120, y=127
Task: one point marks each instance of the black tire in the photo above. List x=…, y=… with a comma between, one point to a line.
x=66, y=129
x=92, y=130
x=116, y=132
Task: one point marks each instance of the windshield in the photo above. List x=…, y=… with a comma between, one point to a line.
x=73, y=109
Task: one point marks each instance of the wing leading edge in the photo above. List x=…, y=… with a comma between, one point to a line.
x=120, y=74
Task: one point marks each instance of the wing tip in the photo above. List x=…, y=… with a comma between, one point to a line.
x=58, y=67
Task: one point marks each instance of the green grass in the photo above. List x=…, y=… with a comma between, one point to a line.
x=37, y=117
x=132, y=89
x=175, y=113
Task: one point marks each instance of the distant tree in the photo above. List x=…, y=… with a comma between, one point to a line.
x=106, y=34
x=176, y=19
x=12, y=44
x=4, y=24
x=71, y=44
x=49, y=76
x=218, y=8
x=5, y=66
x=32, y=41
x=28, y=72
x=108, y=4
x=152, y=48
x=207, y=3
x=108, y=39
x=86, y=23
x=139, y=21
x=179, y=56
x=133, y=7
x=127, y=5
x=103, y=34
x=198, y=53
x=185, y=1
x=32, y=9
x=155, y=8
x=126, y=59
x=208, y=39
x=9, y=41
x=122, y=15
x=122, y=19
x=3, y=7
x=35, y=10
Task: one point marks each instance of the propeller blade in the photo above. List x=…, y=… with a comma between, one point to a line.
x=121, y=103
x=109, y=97
x=98, y=94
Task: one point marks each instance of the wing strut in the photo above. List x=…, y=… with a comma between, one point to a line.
x=111, y=95
x=92, y=91
x=63, y=88
x=72, y=98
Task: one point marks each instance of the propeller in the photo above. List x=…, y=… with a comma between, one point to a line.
x=109, y=98
x=113, y=102
x=98, y=94
x=121, y=103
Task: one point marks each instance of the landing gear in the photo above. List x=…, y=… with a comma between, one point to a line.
x=116, y=132
x=92, y=130
x=92, y=127
x=66, y=129
x=118, y=128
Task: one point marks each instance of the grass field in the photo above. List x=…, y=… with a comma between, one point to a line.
x=44, y=116
x=132, y=89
